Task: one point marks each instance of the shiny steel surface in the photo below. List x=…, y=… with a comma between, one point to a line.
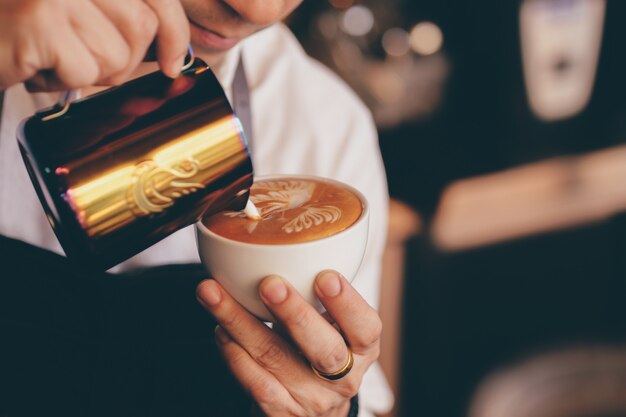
x=121, y=170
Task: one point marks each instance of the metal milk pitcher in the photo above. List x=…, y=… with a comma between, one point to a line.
x=120, y=170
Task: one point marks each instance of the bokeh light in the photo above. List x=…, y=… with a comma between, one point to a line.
x=396, y=42
x=327, y=25
x=426, y=38
x=357, y=21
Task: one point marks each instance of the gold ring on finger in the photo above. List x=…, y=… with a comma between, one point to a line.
x=334, y=376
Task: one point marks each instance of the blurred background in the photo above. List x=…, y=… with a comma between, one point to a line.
x=503, y=130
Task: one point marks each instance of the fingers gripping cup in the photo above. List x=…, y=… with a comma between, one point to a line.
x=120, y=170
x=308, y=224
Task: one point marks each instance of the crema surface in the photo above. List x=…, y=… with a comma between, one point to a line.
x=292, y=210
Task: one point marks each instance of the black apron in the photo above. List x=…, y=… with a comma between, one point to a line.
x=131, y=344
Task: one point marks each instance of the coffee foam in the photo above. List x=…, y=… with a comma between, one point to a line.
x=292, y=210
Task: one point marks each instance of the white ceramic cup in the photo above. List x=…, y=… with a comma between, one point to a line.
x=239, y=266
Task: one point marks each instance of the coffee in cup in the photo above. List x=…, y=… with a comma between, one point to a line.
x=291, y=210
x=307, y=225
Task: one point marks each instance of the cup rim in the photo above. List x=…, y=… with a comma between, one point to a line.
x=362, y=218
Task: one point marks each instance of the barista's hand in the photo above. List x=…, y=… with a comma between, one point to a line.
x=274, y=367
x=61, y=44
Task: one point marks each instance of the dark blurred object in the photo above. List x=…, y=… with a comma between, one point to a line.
x=127, y=345
x=469, y=313
x=485, y=123
x=404, y=225
x=578, y=382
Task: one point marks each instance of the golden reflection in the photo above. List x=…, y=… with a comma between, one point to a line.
x=153, y=180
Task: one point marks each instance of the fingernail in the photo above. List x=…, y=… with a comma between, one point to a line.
x=175, y=68
x=209, y=294
x=221, y=335
x=274, y=290
x=329, y=284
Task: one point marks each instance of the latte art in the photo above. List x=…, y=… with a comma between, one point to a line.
x=291, y=211
x=313, y=216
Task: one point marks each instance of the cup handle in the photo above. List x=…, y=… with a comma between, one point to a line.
x=66, y=97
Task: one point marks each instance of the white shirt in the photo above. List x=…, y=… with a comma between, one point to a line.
x=305, y=121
